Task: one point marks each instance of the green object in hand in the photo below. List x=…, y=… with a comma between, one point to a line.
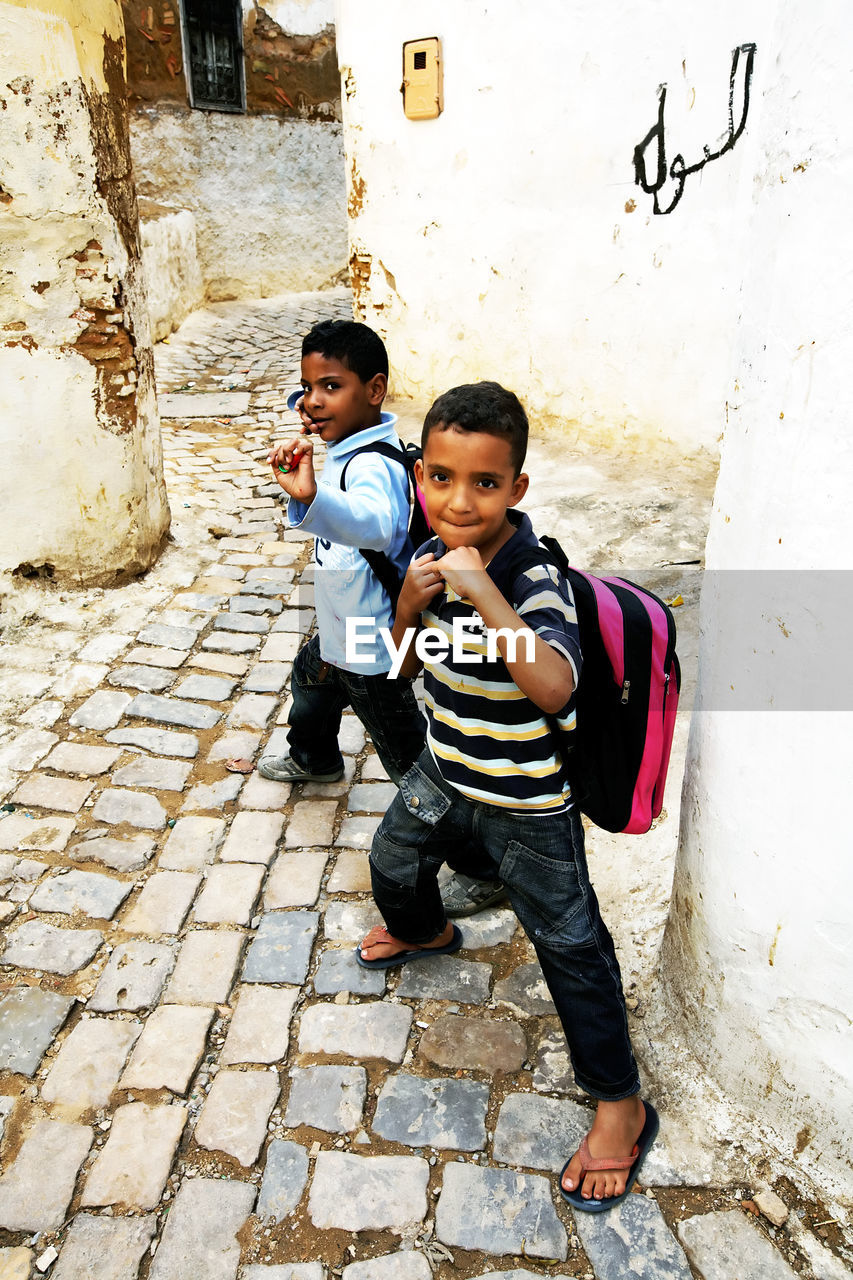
x=284, y=470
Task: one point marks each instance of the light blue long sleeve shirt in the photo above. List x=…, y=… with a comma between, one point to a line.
x=372, y=512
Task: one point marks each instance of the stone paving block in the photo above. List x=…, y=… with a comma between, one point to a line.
x=260, y=793
x=109, y=1248
x=409, y=1264
x=122, y=855
x=339, y=971
x=285, y=1176
x=374, y=1030
x=156, y=657
x=163, y=903
x=433, y=1113
x=82, y=677
x=525, y=992
x=357, y=833
x=350, y=921
x=102, y=711
x=352, y=735
x=488, y=928
x=200, y=1236
x=281, y=950
x=105, y=647
x=87, y=891
x=294, y=880
x=539, y=1133
x=44, y=792
x=229, y=895
x=446, y=978
x=472, y=1044
x=368, y=1193
x=41, y=715
x=149, y=679
x=162, y=742
x=499, y=1211
x=281, y=646
x=76, y=757
x=282, y=1271
x=37, y=945
x=207, y=688
x=234, y=1117
x=16, y=1263
x=231, y=642
x=169, y=1049
x=206, y=967
x=552, y=1070
x=29, y=1020
x=326, y=1097
x=154, y=772
x=89, y=1063
x=253, y=710
x=267, y=677
x=249, y=602
x=136, y=808
x=151, y=706
x=723, y=1246
x=295, y=620
x=227, y=663
x=371, y=797
x=633, y=1240
x=192, y=844
x=198, y=601
x=36, y=1189
x=351, y=872
x=7, y=1106
x=118, y=1175
x=159, y=633
x=260, y=1025
x=23, y=752
x=268, y=573
x=134, y=976
x=372, y=769
x=516, y=1274
x=253, y=837
x=243, y=623
x=312, y=824
x=50, y=835
x=234, y=744
x=214, y=795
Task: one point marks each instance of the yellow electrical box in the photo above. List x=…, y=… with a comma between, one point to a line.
x=423, y=95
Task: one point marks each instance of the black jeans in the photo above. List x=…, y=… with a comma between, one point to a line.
x=387, y=708
x=542, y=862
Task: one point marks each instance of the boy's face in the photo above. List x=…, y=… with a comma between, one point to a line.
x=336, y=400
x=469, y=480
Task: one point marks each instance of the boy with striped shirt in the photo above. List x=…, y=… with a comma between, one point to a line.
x=491, y=776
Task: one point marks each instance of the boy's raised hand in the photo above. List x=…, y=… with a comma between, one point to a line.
x=293, y=467
x=464, y=571
x=420, y=584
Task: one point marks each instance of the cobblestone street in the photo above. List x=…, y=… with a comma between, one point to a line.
x=197, y=1082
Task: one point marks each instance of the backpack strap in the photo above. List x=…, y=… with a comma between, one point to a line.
x=381, y=564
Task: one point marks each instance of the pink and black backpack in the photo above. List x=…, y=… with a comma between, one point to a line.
x=627, y=696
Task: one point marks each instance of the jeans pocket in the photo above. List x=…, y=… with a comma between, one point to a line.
x=406, y=827
x=548, y=896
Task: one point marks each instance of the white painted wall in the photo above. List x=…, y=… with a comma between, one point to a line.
x=298, y=17
x=508, y=238
x=267, y=195
x=758, y=950
x=173, y=282
x=82, y=485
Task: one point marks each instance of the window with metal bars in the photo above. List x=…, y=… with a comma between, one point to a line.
x=214, y=47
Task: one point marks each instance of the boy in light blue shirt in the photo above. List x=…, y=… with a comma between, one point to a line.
x=344, y=382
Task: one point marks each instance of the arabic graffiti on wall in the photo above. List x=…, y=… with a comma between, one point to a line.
x=678, y=172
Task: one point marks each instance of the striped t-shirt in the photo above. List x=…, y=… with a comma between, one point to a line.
x=488, y=739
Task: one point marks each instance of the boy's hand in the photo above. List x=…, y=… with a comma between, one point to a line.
x=293, y=467
x=463, y=570
x=420, y=584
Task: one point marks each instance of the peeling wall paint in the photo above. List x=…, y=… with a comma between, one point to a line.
x=74, y=345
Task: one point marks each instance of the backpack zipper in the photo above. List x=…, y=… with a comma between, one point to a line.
x=626, y=690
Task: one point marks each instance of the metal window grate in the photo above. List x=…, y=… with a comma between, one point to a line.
x=214, y=36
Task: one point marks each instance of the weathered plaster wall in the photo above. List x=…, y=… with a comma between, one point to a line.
x=758, y=951
x=83, y=490
x=509, y=238
x=173, y=282
x=267, y=195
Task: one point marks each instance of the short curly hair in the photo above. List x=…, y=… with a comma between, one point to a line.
x=481, y=406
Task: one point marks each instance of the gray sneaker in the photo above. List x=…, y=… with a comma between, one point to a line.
x=464, y=896
x=285, y=769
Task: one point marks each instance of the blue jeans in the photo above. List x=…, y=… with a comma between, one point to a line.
x=541, y=861
x=387, y=708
